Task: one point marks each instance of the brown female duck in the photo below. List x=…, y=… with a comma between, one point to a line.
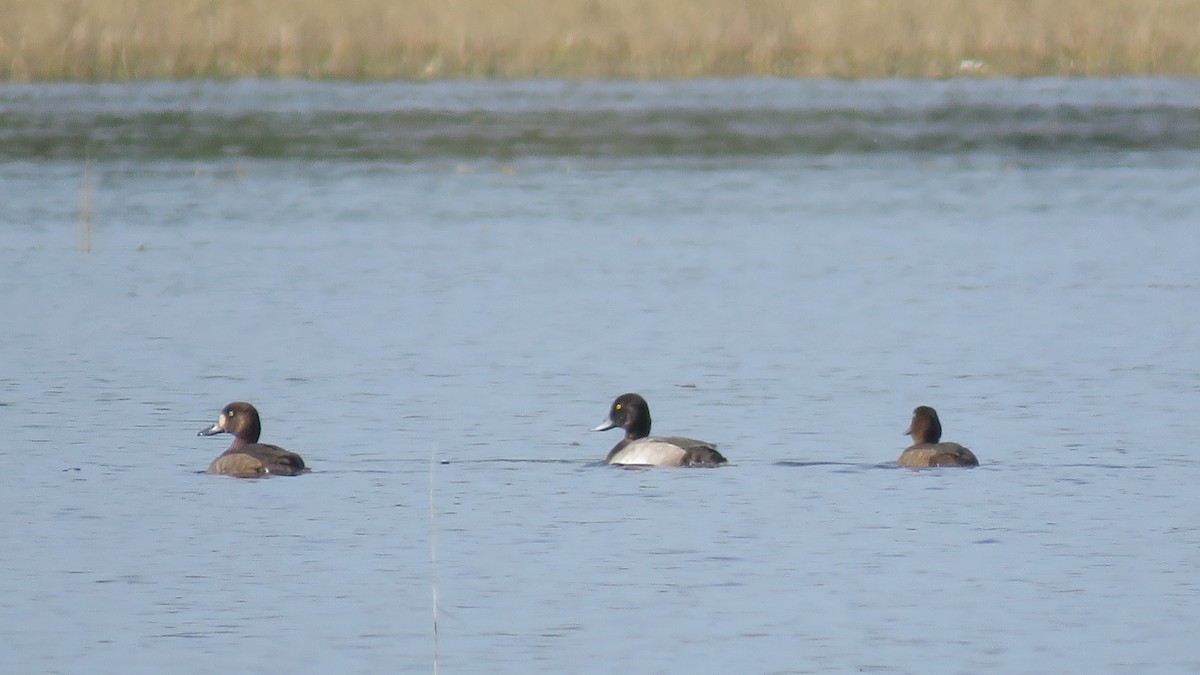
x=926, y=450
x=246, y=457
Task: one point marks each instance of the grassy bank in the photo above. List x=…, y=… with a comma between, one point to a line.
x=423, y=39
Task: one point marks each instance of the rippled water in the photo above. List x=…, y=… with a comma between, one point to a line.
x=433, y=291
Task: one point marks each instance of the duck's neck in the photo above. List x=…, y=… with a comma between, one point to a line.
x=638, y=428
x=930, y=433
x=247, y=436
x=250, y=433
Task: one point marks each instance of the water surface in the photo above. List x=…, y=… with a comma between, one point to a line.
x=439, y=288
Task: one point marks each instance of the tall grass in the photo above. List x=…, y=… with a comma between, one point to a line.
x=422, y=39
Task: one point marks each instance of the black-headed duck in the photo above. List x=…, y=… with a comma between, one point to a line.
x=246, y=457
x=632, y=413
x=926, y=450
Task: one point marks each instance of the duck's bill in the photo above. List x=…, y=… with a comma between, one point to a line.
x=605, y=426
x=210, y=431
x=907, y=432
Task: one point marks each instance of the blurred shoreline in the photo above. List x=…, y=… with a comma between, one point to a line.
x=122, y=40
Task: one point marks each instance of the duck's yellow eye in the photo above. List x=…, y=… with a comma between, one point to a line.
x=229, y=414
x=617, y=406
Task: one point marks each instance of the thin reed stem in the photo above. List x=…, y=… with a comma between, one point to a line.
x=433, y=558
x=85, y=229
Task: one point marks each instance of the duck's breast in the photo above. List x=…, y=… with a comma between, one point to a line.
x=258, y=459
x=238, y=464
x=653, y=451
x=937, y=454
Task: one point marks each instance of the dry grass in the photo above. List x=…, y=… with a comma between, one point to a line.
x=422, y=39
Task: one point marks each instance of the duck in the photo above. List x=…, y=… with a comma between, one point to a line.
x=631, y=413
x=246, y=457
x=927, y=450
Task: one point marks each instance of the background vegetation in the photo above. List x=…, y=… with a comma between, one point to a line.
x=424, y=39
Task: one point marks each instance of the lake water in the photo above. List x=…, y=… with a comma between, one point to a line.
x=433, y=291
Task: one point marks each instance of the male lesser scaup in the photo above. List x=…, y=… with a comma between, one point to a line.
x=926, y=431
x=632, y=413
x=246, y=457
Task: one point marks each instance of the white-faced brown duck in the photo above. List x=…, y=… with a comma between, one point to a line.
x=632, y=413
x=927, y=450
x=246, y=457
